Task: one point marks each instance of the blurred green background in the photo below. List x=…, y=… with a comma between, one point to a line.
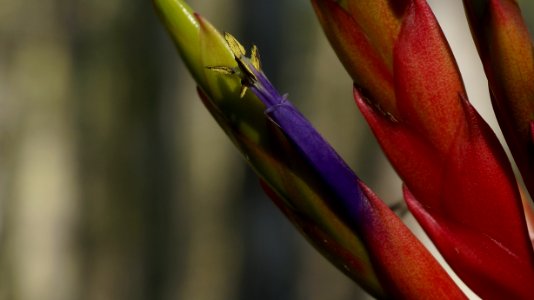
x=115, y=183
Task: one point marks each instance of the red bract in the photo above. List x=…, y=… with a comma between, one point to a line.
x=459, y=183
x=381, y=21
x=505, y=48
x=356, y=52
x=397, y=251
x=404, y=267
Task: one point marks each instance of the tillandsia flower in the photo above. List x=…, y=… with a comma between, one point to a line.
x=458, y=182
x=505, y=48
x=300, y=171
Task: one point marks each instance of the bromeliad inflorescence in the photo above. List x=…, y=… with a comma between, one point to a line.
x=458, y=182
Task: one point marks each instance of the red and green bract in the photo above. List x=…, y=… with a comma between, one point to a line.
x=458, y=181
x=505, y=48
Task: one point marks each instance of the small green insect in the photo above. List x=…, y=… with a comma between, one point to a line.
x=243, y=70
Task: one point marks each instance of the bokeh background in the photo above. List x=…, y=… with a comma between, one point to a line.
x=115, y=183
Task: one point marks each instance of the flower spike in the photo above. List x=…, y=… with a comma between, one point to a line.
x=301, y=172
x=458, y=181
